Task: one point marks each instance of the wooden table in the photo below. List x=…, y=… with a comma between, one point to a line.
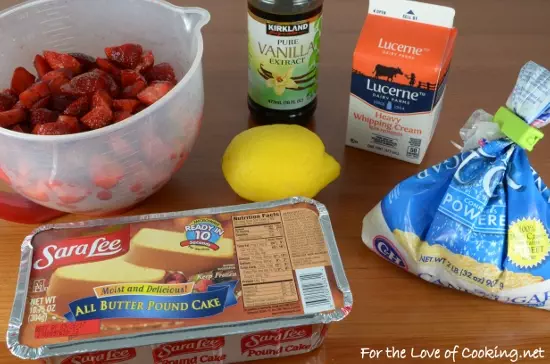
x=392, y=308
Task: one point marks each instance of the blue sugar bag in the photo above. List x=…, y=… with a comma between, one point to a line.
x=478, y=221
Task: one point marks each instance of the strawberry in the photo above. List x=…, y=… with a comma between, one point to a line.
x=129, y=77
x=108, y=67
x=86, y=62
x=50, y=129
x=128, y=105
x=126, y=55
x=62, y=60
x=97, y=118
x=70, y=122
x=154, y=150
x=133, y=90
x=147, y=61
x=60, y=73
x=120, y=147
x=21, y=80
x=43, y=116
x=19, y=105
x=161, y=72
x=104, y=195
x=101, y=99
x=121, y=115
x=140, y=108
x=61, y=102
x=34, y=93
x=154, y=92
x=6, y=101
x=36, y=191
x=42, y=67
x=86, y=83
x=104, y=172
x=202, y=285
x=21, y=128
x=42, y=103
x=10, y=92
x=12, y=117
x=56, y=85
x=112, y=86
x=79, y=107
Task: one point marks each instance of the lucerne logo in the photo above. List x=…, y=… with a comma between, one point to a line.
x=401, y=48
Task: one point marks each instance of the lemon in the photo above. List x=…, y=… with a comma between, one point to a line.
x=278, y=161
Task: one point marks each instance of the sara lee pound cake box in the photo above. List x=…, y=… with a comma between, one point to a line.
x=400, y=69
x=217, y=285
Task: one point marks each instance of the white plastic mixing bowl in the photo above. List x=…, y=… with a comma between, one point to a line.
x=115, y=167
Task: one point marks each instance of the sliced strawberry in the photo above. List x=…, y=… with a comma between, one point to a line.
x=6, y=101
x=112, y=86
x=78, y=108
x=34, y=93
x=21, y=80
x=128, y=105
x=127, y=55
x=12, y=117
x=55, y=74
x=140, y=108
x=86, y=83
x=129, y=77
x=61, y=102
x=104, y=195
x=86, y=62
x=101, y=99
x=56, y=85
x=133, y=90
x=154, y=150
x=42, y=67
x=21, y=128
x=10, y=92
x=62, y=60
x=19, y=105
x=42, y=103
x=154, y=92
x=35, y=191
x=50, y=129
x=121, y=148
x=121, y=115
x=43, y=116
x=104, y=172
x=97, y=118
x=147, y=61
x=161, y=72
x=108, y=67
x=70, y=122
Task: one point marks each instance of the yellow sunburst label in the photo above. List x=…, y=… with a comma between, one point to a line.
x=528, y=243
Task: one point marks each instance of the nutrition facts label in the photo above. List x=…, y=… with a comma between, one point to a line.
x=264, y=260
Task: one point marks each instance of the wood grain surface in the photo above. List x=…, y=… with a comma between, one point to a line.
x=392, y=307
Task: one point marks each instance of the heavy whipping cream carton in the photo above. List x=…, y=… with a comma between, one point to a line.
x=400, y=69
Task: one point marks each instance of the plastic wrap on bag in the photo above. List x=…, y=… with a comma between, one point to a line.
x=478, y=221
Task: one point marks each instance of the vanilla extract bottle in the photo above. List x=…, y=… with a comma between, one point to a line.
x=283, y=55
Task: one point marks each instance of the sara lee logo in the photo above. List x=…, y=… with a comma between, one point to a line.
x=388, y=251
x=165, y=351
x=76, y=250
x=203, y=234
x=401, y=48
x=392, y=91
x=102, y=357
x=274, y=337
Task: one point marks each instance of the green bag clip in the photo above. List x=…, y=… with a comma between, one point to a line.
x=516, y=129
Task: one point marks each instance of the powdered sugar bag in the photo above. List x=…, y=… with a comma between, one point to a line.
x=478, y=221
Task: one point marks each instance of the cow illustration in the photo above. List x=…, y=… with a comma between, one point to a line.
x=389, y=72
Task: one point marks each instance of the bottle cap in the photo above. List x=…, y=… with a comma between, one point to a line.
x=516, y=129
